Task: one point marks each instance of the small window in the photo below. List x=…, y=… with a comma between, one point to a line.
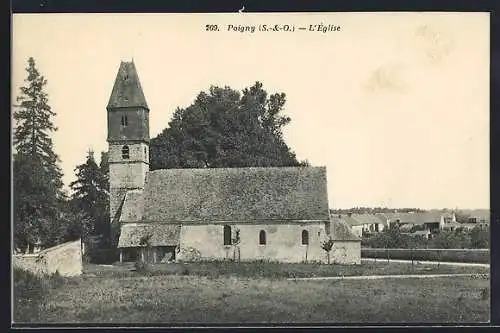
x=124, y=121
x=227, y=235
x=145, y=153
x=305, y=237
x=125, y=153
x=262, y=237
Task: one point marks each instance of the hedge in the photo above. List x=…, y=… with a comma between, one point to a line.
x=451, y=255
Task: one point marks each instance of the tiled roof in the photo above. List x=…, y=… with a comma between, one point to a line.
x=366, y=218
x=133, y=206
x=161, y=234
x=340, y=230
x=127, y=90
x=360, y=219
x=349, y=220
x=382, y=217
x=418, y=218
x=236, y=194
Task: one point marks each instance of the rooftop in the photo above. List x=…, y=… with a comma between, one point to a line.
x=233, y=194
x=127, y=90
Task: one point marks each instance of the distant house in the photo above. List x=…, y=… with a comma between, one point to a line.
x=420, y=233
x=432, y=221
x=364, y=223
x=423, y=233
x=479, y=217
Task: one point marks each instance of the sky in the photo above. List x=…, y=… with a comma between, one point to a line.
x=395, y=105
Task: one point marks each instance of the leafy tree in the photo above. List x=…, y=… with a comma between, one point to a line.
x=90, y=195
x=104, y=173
x=451, y=240
x=104, y=168
x=235, y=242
x=327, y=246
x=224, y=128
x=37, y=176
x=480, y=238
x=393, y=238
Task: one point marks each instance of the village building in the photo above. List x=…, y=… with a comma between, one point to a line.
x=428, y=223
x=277, y=214
x=364, y=224
x=477, y=218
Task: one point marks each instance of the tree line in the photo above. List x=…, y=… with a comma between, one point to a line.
x=223, y=127
x=477, y=238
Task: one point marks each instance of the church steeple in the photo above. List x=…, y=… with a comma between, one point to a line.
x=127, y=91
x=128, y=112
x=128, y=139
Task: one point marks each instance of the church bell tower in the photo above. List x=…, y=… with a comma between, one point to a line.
x=128, y=139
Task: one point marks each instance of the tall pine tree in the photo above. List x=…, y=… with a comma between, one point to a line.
x=91, y=195
x=37, y=176
x=104, y=168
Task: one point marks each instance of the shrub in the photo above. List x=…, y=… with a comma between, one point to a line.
x=29, y=293
x=480, y=238
x=143, y=267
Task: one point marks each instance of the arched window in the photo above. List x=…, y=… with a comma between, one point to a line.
x=125, y=153
x=124, y=121
x=262, y=237
x=305, y=237
x=227, y=235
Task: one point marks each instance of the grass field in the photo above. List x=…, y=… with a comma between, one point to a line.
x=280, y=270
x=234, y=296
x=178, y=299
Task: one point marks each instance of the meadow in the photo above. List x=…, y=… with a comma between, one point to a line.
x=123, y=296
x=450, y=255
x=274, y=270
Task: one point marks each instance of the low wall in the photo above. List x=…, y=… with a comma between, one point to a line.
x=64, y=258
x=451, y=255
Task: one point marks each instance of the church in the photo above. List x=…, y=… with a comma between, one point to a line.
x=256, y=213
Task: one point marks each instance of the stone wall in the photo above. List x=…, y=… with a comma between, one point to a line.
x=65, y=258
x=347, y=252
x=283, y=243
x=128, y=174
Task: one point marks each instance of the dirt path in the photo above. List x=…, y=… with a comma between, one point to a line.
x=405, y=276
x=468, y=264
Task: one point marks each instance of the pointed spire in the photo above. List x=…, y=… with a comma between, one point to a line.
x=127, y=91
